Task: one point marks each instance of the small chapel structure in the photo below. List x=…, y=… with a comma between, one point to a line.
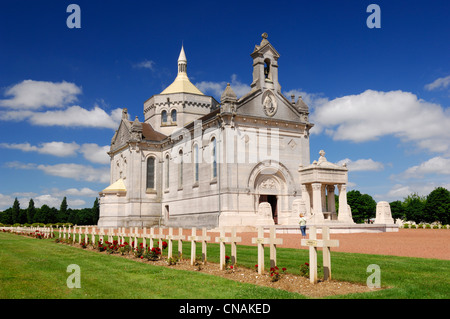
x=195, y=161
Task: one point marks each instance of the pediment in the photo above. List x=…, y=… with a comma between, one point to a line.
x=268, y=104
x=265, y=50
x=122, y=135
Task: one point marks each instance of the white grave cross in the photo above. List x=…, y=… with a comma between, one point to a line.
x=273, y=241
x=170, y=238
x=180, y=237
x=313, y=244
x=233, y=240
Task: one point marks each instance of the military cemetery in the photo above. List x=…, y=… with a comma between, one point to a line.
x=238, y=197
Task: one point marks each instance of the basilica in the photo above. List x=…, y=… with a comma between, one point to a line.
x=196, y=161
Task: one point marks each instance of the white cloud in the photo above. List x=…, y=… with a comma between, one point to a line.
x=29, y=97
x=85, y=191
x=6, y=201
x=20, y=165
x=95, y=153
x=438, y=83
x=77, y=116
x=60, y=149
x=437, y=165
x=30, y=94
x=146, y=64
x=74, y=171
x=362, y=165
x=46, y=199
x=91, y=151
x=74, y=116
x=373, y=114
x=217, y=88
x=212, y=88
x=77, y=172
x=400, y=191
x=311, y=99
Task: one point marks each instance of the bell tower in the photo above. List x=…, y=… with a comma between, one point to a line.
x=265, y=66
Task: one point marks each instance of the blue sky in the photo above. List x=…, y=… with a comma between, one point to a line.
x=379, y=97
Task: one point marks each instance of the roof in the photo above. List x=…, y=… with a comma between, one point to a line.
x=149, y=133
x=116, y=187
x=181, y=84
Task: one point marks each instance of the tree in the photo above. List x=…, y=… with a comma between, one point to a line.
x=95, y=212
x=363, y=206
x=437, y=206
x=397, y=210
x=62, y=214
x=31, y=211
x=414, y=205
x=84, y=216
x=6, y=216
x=15, y=211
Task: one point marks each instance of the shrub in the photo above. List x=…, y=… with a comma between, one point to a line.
x=275, y=273
x=304, y=270
x=152, y=254
x=84, y=243
x=139, y=250
x=172, y=261
x=101, y=247
x=112, y=247
x=124, y=248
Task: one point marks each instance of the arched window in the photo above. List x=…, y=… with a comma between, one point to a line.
x=173, y=116
x=166, y=164
x=151, y=172
x=214, y=158
x=180, y=170
x=164, y=117
x=267, y=70
x=196, y=163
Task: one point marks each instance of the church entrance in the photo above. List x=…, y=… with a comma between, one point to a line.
x=272, y=200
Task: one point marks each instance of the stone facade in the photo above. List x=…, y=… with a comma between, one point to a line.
x=197, y=162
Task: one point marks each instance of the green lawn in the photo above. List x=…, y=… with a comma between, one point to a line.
x=37, y=268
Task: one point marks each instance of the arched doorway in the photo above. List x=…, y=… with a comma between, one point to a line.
x=272, y=200
x=271, y=182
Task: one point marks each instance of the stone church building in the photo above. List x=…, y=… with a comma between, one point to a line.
x=195, y=161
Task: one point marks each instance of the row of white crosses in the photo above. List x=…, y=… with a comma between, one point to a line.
x=313, y=243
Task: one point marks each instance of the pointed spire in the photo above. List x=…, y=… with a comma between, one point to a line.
x=182, y=57
x=228, y=94
x=182, y=61
x=182, y=83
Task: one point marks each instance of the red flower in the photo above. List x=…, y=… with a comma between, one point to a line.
x=306, y=264
x=284, y=269
x=231, y=267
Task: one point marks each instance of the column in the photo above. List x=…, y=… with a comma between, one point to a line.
x=344, y=215
x=306, y=198
x=323, y=196
x=317, y=202
x=331, y=201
